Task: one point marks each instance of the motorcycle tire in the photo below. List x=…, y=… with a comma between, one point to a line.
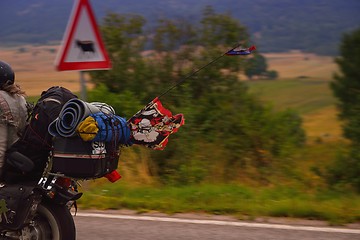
x=54, y=222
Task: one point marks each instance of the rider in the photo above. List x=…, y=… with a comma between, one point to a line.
x=13, y=111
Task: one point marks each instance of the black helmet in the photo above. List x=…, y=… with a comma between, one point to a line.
x=7, y=75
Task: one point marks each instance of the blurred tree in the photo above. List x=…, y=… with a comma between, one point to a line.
x=124, y=38
x=271, y=75
x=256, y=66
x=221, y=29
x=346, y=87
x=172, y=52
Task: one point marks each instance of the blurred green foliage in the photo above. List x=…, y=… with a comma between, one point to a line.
x=228, y=132
x=346, y=88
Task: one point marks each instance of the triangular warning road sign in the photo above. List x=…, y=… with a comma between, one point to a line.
x=82, y=47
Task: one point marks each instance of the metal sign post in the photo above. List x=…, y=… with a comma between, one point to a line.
x=83, y=92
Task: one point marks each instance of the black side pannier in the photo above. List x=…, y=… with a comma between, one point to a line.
x=76, y=158
x=18, y=204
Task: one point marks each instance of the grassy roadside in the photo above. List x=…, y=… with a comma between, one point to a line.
x=241, y=201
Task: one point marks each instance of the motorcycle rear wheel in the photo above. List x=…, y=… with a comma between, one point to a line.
x=53, y=222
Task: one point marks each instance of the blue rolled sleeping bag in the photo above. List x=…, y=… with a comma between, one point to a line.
x=111, y=127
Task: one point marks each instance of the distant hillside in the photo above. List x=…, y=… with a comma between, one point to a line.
x=275, y=25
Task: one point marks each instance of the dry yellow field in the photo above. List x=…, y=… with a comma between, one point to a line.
x=35, y=70
x=323, y=125
x=297, y=64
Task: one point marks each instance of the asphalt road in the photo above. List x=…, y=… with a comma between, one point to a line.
x=112, y=225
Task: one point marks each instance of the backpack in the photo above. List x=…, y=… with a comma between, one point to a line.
x=36, y=142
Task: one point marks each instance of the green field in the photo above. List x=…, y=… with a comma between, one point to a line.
x=306, y=96
x=311, y=98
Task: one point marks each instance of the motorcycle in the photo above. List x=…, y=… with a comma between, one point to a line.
x=40, y=209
